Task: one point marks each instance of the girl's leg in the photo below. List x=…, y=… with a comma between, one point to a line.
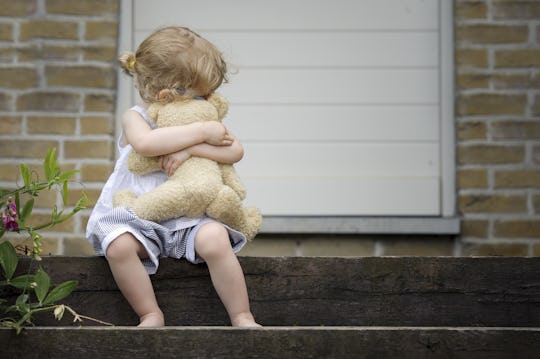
x=212, y=244
x=124, y=256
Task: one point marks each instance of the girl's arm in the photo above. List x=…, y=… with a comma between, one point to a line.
x=222, y=154
x=160, y=141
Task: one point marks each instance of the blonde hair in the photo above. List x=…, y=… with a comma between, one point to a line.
x=175, y=62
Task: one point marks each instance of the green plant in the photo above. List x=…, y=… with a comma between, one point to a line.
x=35, y=291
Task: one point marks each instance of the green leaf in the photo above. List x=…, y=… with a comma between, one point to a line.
x=61, y=291
x=43, y=284
x=64, y=176
x=65, y=193
x=50, y=166
x=25, y=173
x=23, y=281
x=8, y=259
x=27, y=209
x=22, y=299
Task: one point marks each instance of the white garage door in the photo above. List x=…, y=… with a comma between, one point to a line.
x=339, y=104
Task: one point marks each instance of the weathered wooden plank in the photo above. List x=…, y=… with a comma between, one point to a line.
x=388, y=291
x=300, y=342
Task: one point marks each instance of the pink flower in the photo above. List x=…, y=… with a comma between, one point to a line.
x=9, y=216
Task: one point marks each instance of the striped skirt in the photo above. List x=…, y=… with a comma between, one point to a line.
x=174, y=238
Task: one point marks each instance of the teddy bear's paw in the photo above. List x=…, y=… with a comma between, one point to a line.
x=253, y=222
x=124, y=198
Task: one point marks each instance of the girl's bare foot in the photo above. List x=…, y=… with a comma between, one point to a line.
x=152, y=320
x=244, y=320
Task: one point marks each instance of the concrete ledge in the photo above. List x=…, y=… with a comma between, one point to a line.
x=361, y=225
x=277, y=342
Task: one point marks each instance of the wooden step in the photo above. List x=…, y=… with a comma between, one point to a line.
x=322, y=291
x=271, y=342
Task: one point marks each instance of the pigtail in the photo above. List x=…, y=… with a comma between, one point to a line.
x=127, y=63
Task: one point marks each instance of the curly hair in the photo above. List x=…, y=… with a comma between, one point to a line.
x=175, y=62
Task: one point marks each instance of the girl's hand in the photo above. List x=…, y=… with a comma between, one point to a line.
x=216, y=134
x=169, y=163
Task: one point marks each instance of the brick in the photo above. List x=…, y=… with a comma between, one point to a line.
x=88, y=149
x=471, y=130
x=100, y=53
x=7, y=55
x=474, y=228
x=101, y=30
x=536, y=106
x=472, y=80
x=5, y=102
x=9, y=172
x=39, y=219
x=51, y=125
x=471, y=10
x=46, y=199
x=48, y=29
x=11, y=125
x=491, y=104
x=536, y=154
x=18, y=77
x=517, y=178
x=490, y=154
x=49, y=101
x=83, y=7
x=536, y=203
x=521, y=228
x=94, y=125
x=471, y=57
x=513, y=9
x=6, y=32
x=99, y=103
x=50, y=52
x=18, y=8
x=77, y=247
x=491, y=34
x=536, y=250
x=515, y=130
x=496, y=249
x=472, y=178
x=96, y=172
x=418, y=247
x=262, y=247
x=497, y=203
x=81, y=76
x=336, y=246
x=517, y=58
x=23, y=148
x=516, y=81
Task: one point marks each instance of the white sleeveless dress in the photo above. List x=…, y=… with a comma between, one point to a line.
x=173, y=238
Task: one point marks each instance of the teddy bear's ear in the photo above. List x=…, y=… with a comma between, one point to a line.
x=220, y=103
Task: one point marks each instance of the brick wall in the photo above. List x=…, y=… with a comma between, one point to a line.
x=57, y=89
x=498, y=125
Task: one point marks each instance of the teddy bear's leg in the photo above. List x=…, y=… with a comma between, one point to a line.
x=227, y=208
x=231, y=179
x=124, y=198
x=172, y=200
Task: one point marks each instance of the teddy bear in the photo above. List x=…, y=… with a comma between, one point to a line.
x=199, y=186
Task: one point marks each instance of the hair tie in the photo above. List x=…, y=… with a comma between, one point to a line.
x=131, y=64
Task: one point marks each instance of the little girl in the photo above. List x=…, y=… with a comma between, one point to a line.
x=172, y=60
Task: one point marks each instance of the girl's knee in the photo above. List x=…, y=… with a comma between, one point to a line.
x=212, y=241
x=123, y=246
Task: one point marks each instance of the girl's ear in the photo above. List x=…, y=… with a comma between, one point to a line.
x=166, y=96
